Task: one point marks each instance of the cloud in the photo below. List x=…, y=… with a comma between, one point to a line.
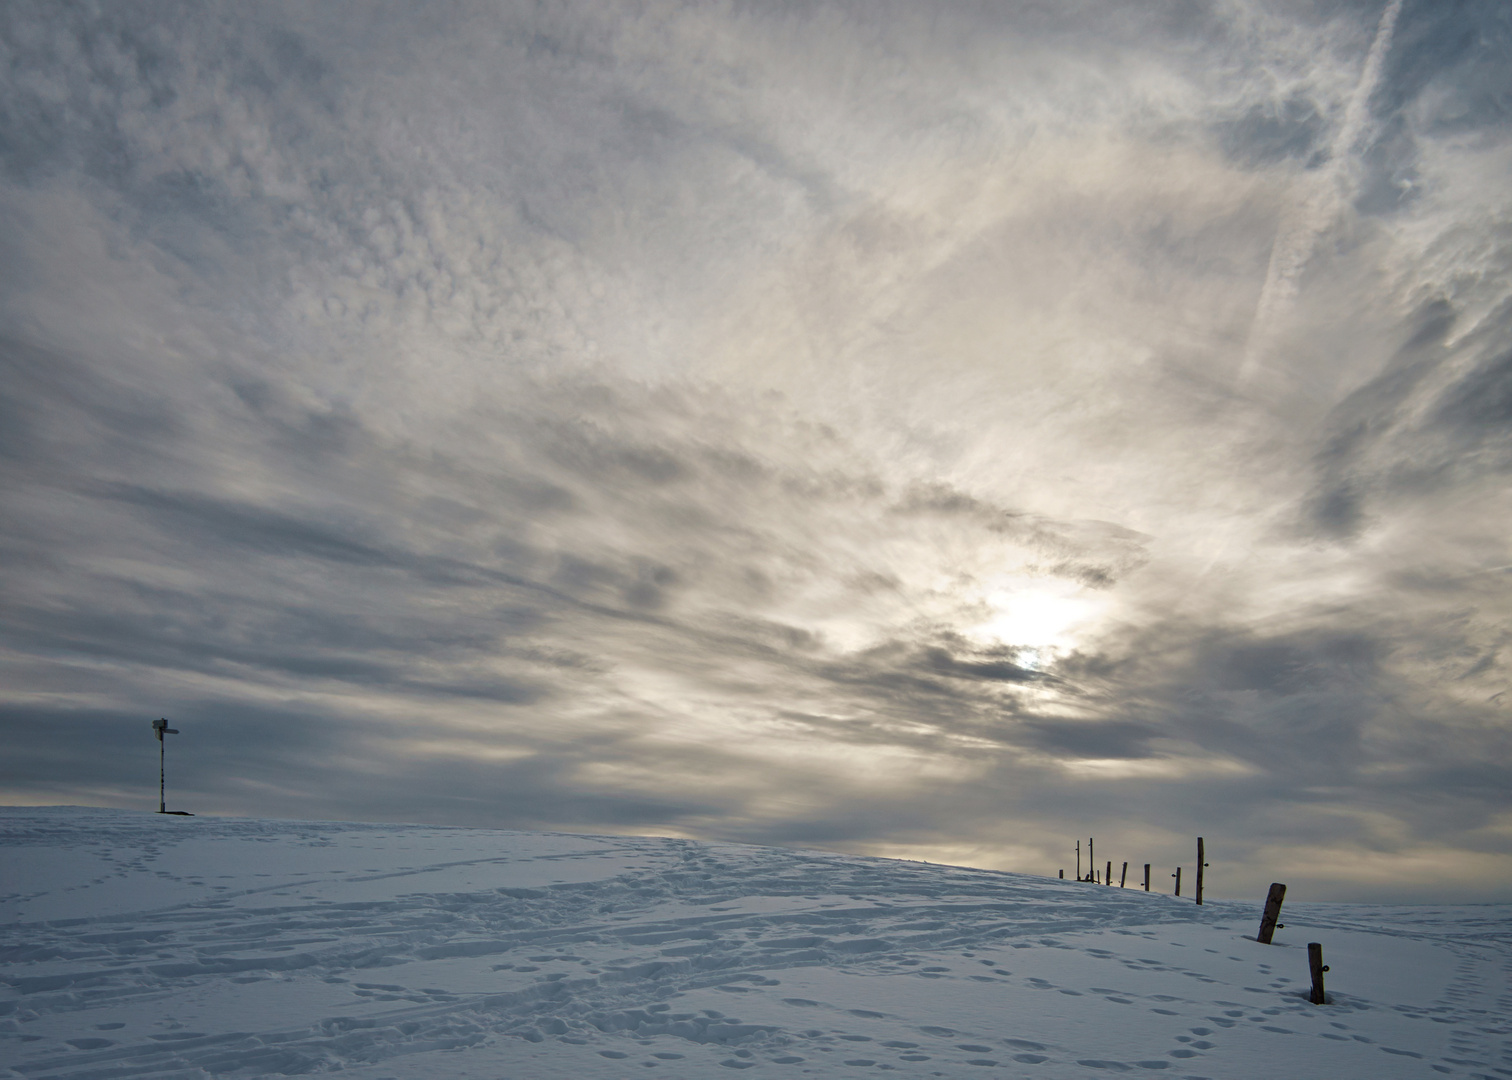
x=805, y=425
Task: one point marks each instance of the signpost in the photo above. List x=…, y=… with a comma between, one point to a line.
x=161, y=728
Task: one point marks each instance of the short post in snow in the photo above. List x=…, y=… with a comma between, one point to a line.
x=1177, y=876
x=1108, y=874
x=1201, y=866
x=1091, y=861
x=1147, y=877
x=1268, y=923
x=161, y=728
x=1317, y=967
x=1078, y=860
x=1063, y=875
x=1123, y=875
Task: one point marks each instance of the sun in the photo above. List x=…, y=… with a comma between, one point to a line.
x=1035, y=614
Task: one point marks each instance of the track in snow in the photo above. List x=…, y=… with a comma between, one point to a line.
x=292, y=947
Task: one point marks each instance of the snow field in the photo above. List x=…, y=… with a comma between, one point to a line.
x=139, y=945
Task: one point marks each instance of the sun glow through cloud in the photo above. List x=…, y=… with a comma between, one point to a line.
x=1039, y=615
x=874, y=425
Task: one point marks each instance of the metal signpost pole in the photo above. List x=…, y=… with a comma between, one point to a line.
x=160, y=728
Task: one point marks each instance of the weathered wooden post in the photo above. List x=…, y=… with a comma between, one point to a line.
x=1201, y=866
x=1123, y=875
x=1108, y=874
x=1147, y=877
x=1078, y=860
x=1317, y=967
x=1063, y=875
x=1177, y=876
x=1091, y=861
x=1268, y=923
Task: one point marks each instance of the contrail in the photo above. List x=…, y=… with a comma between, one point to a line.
x=1301, y=228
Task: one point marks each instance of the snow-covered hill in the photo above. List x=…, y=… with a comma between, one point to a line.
x=143, y=945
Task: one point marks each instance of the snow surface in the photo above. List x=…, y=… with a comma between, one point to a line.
x=136, y=944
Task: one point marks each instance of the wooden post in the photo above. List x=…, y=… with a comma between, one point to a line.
x=1177, y=876
x=1091, y=861
x=1063, y=875
x=1201, y=865
x=1078, y=860
x=1108, y=876
x=1147, y=877
x=1317, y=967
x=1124, y=875
x=1268, y=923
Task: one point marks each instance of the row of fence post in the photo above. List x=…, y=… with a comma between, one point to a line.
x=1269, y=917
x=1107, y=876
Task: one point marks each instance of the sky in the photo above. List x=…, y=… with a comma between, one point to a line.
x=943, y=431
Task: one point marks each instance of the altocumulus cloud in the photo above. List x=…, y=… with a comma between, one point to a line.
x=937, y=430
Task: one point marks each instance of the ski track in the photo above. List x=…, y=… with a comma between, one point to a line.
x=682, y=958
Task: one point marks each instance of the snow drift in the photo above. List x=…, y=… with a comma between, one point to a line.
x=142, y=945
